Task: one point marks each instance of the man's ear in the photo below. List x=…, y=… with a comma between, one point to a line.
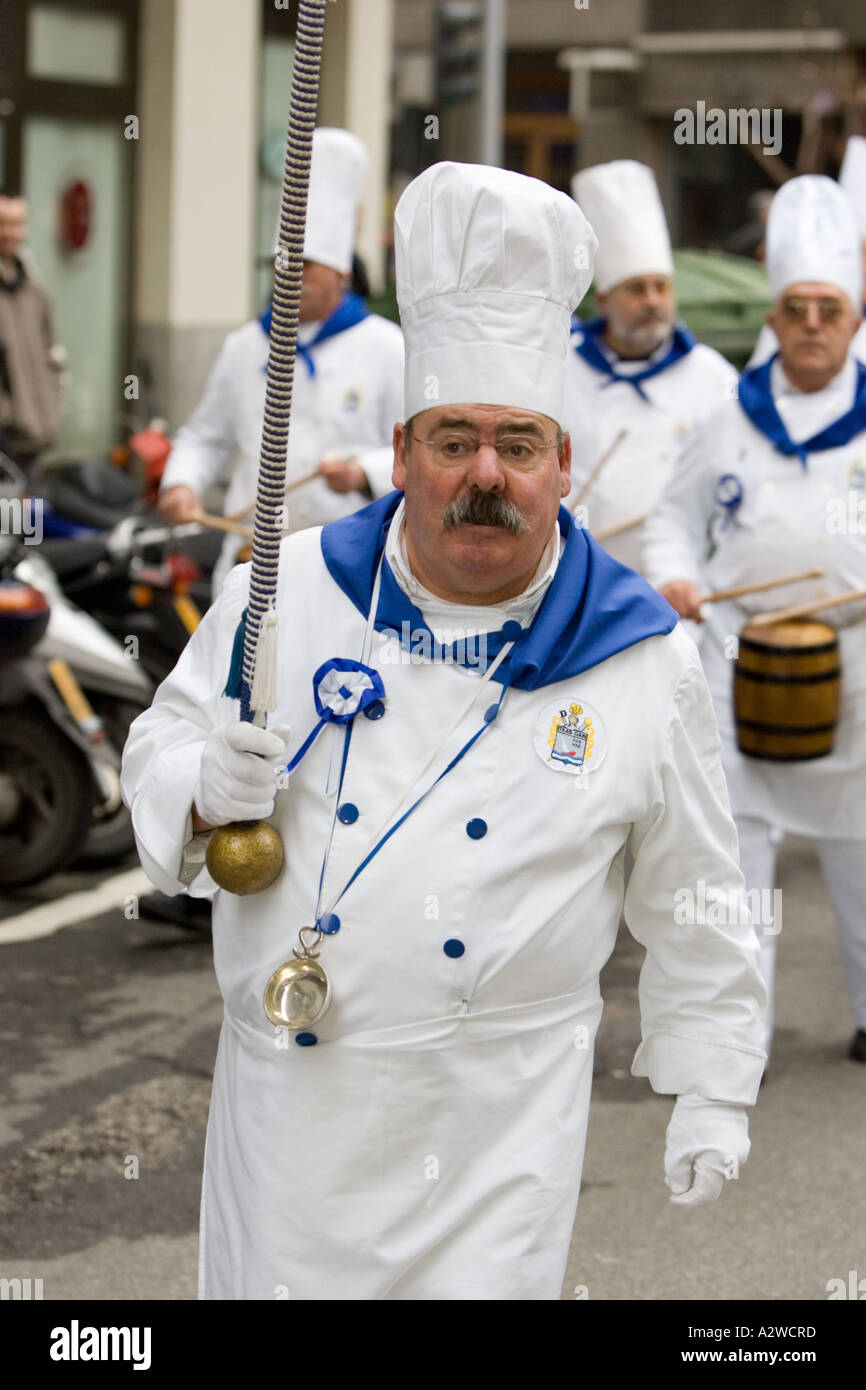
x=398, y=476
x=565, y=466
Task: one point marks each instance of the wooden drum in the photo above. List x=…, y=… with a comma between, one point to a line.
x=787, y=690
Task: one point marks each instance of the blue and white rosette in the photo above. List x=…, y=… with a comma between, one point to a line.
x=729, y=496
x=341, y=690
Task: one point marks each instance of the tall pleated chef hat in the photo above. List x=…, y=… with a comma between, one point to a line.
x=338, y=168
x=852, y=178
x=812, y=237
x=621, y=200
x=490, y=267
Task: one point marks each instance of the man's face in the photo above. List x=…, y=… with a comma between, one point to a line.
x=321, y=291
x=477, y=523
x=814, y=324
x=13, y=225
x=640, y=312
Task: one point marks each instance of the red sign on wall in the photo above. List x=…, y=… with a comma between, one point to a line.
x=75, y=214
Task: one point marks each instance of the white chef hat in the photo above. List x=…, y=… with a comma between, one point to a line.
x=490, y=266
x=338, y=168
x=812, y=236
x=622, y=202
x=852, y=178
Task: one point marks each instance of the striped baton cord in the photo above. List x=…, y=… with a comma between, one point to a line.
x=258, y=693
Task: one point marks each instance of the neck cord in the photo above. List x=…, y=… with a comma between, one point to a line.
x=378, y=839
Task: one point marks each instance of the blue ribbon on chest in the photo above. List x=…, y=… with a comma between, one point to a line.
x=589, y=348
x=349, y=311
x=756, y=400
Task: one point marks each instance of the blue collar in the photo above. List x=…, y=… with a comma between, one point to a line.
x=594, y=607
x=589, y=348
x=756, y=400
x=349, y=311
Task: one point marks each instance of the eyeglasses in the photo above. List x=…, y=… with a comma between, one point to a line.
x=450, y=447
x=829, y=310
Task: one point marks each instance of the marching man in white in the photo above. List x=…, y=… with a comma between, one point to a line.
x=634, y=368
x=454, y=825
x=348, y=384
x=768, y=488
x=852, y=180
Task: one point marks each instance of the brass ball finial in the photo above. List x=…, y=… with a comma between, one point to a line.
x=245, y=857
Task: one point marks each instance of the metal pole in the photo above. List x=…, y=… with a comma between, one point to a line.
x=493, y=83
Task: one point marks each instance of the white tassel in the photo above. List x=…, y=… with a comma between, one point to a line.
x=263, y=695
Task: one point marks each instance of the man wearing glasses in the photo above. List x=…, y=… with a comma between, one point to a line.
x=455, y=828
x=773, y=484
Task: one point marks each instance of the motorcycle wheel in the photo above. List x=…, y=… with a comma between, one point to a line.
x=111, y=836
x=49, y=797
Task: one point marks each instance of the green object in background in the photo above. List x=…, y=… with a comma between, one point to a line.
x=722, y=299
x=385, y=304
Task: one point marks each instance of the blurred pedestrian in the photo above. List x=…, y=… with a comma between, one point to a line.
x=29, y=368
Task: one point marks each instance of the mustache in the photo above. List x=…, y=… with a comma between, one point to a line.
x=484, y=509
x=647, y=316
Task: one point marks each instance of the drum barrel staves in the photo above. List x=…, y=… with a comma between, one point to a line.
x=787, y=684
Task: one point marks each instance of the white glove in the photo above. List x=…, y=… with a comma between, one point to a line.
x=237, y=780
x=712, y=1136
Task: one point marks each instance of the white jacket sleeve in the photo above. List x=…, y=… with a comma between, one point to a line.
x=162, y=757
x=203, y=448
x=675, y=538
x=702, y=997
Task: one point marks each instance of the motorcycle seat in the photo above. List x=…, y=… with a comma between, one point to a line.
x=72, y=557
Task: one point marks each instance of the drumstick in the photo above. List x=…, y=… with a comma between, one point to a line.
x=290, y=487
x=742, y=589
x=221, y=523
x=584, y=488
x=607, y=531
x=803, y=610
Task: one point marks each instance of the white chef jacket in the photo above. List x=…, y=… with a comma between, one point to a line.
x=429, y=1146
x=597, y=408
x=351, y=403
x=784, y=525
x=768, y=343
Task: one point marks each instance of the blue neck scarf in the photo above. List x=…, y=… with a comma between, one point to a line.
x=756, y=399
x=589, y=348
x=349, y=311
x=593, y=608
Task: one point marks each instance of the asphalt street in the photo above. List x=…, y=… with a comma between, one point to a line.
x=109, y=1031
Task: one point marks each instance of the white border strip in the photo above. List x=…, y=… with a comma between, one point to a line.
x=49, y=918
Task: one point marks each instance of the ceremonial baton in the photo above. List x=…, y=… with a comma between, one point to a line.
x=290, y=487
x=619, y=526
x=805, y=610
x=221, y=523
x=248, y=856
x=742, y=589
x=608, y=453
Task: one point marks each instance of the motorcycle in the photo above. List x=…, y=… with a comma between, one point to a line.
x=68, y=693
x=143, y=581
x=149, y=597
